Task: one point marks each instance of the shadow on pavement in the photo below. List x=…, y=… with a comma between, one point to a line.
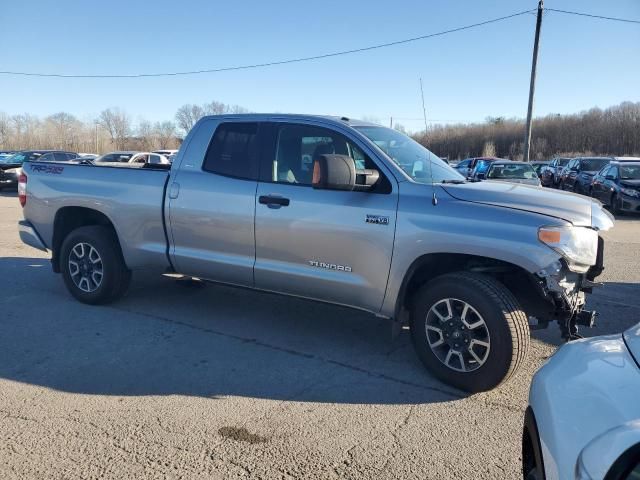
x=9, y=193
x=165, y=339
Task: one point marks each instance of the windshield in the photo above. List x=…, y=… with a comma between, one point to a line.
x=415, y=160
x=630, y=172
x=517, y=171
x=593, y=164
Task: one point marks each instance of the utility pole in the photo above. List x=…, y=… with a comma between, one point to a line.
x=532, y=85
x=390, y=122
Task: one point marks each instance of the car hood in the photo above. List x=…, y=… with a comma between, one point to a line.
x=574, y=208
x=525, y=181
x=632, y=339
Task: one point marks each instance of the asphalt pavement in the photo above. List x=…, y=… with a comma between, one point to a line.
x=182, y=381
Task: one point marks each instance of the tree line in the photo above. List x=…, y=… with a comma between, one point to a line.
x=112, y=129
x=610, y=131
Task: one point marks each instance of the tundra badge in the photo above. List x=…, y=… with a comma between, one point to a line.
x=377, y=219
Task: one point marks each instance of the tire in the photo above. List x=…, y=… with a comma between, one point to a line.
x=576, y=188
x=488, y=343
x=615, y=206
x=92, y=265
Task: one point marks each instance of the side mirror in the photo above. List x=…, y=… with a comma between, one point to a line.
x=334, y=172
x=609, y=177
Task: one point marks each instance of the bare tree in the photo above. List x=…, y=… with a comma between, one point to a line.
x=146, y=135
x=118, y=124
x=63, y=129
x=187, y=116
x=5, y=129
x=489, y=149
x=165, y=133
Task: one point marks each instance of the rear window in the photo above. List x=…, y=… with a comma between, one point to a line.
x=233, y=151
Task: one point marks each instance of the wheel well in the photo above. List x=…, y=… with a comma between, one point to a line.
x=515, y=278
x=68, y=219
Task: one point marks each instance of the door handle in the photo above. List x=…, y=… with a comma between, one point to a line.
x=273, y=201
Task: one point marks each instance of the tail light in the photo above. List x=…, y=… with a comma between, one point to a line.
x=22, y=189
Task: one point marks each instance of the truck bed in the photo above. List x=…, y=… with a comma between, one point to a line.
x=130, y=196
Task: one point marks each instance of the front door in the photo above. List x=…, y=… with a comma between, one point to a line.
x=322, y=244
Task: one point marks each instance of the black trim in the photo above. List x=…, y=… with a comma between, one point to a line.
x=531, y=429
x=253, y=173
x=626, y=463
x=164, y=224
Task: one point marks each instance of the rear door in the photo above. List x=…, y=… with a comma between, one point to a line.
x=322, y=244
x=212, y=203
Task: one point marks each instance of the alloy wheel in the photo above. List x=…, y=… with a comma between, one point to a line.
x=85, y=267
x=457, y=335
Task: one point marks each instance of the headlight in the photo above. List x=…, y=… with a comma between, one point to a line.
x=630, y=192
x=579, y=245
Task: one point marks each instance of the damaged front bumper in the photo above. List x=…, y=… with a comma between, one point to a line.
x=564, y=292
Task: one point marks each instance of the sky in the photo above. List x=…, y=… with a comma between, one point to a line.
x=467, y=75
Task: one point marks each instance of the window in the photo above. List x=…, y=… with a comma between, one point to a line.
x=613, y=171
x=47, y=157
x=60, y=156
x=233, y=151
x=297, y=146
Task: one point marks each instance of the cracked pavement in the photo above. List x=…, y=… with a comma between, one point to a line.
x=181, y=382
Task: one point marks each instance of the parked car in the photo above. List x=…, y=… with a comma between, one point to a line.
x=10, y=167
x=537, y=166
x=116, y=157
x=373, y=221
x=583, y=418
x=617, y=186
x=166, y=153
x=482, y=166
x=513, y=172
x=579, y=172
x=467, y=166
x=148, y=157
x=550, y=174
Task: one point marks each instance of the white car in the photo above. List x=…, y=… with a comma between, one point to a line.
x=583, y=419
x=150, y=157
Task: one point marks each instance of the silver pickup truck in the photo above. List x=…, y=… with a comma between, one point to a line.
x=335, y=210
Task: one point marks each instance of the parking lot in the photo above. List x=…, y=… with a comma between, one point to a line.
x=189, y=382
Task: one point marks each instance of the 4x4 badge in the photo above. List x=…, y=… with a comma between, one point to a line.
x=378, y=219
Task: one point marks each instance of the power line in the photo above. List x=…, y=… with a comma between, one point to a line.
x=273, y=63
x=615, y=19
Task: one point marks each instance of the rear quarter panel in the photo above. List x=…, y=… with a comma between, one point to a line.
x=130, y=198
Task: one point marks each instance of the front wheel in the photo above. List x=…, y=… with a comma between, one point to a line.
x=92, y=265
x=469, y=330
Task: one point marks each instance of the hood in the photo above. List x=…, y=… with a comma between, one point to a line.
x=632, y=339
x=525, y=181
x=571, y=207
x=630, y=183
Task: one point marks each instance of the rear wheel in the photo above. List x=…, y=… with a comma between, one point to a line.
x=92, y=265
x=469, y=330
